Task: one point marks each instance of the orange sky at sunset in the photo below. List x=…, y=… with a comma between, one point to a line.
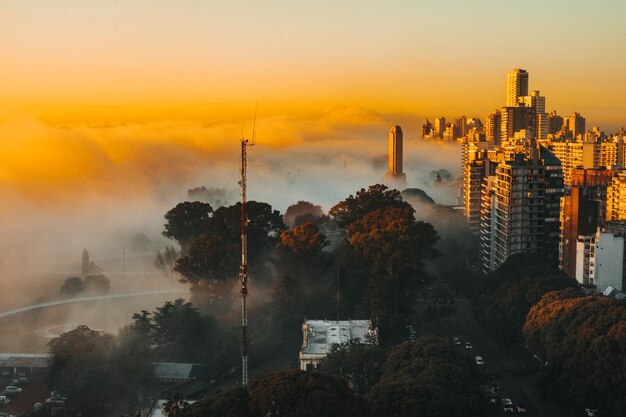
x=88, y=89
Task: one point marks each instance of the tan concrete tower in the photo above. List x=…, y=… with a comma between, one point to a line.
x=394, y=176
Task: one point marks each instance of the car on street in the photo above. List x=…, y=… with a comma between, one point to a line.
x=5, y=415
x=591, y=412
x=479, y=360
x=468, y=346
x=4, y=400
x=520, y=408
x=507, y=405
x=456, y=340
x=12, y=389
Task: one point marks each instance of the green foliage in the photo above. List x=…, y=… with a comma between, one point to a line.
x=302, y=212
x=375, y=197
x=303, y=394
x=216, y=254
x=357, y=362
x=518, y=284
x=83, y=368
x=428, y=377
x=233, y=403
x=97, y=283
x=185, y=221
x=583, y=340
x=72, y=286
x=177, y=332
x=395, y=248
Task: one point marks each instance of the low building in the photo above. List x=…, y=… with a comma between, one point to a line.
x=177, y=372
x=319, y=336
x=23, y=364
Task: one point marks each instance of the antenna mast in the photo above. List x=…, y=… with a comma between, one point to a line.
x=243, y=269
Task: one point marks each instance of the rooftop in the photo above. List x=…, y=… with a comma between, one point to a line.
x=321, y=335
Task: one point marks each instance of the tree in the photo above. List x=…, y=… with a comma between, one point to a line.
x=82, y=368
x=302, y=211
x=375, y=197
x=582, y=340
x=302, y=394
x=97, y=283
x=232, y=403
x=72, y=286
x=359, y=363
x=518, y=284
x=428, y=377
x=395, y=247
x=166, y=261
x=215, y=255
x=186, y=221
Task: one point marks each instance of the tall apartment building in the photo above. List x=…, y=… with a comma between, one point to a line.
x=600, y=260
x=596, y=181
x=493, y=127
x=514, y=119
x=570, y=153
x=616, y=197
x=516, y=86
x=487, y=223
x=476, y=165
x=538, y=116
x=440, y=127
x=525, y=207
x=554, y=122
x=574, y=124
x=579, y=216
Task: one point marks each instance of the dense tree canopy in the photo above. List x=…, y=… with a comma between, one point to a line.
x=185, y=222
x=375, y=197
x=583, y=341
x=518, y=284
x=302, y=212
x=216, y=254
x=428, y=377
x=84, y=369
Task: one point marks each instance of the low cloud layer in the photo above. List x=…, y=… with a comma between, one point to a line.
x=65, y=188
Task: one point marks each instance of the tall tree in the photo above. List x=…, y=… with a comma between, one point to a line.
x=186, y=221
x=376, y=197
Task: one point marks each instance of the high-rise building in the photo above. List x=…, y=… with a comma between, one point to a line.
x=440, y=127
x=570, y=153
x=538, y=119
x=427, y=130
x=513, y=119
x=494, y=126
x=574, y=124
x=579, y=216
x=394, y=176
x=516, y=86
x=616, y=197
x=555, y=123
x=526, y=196
x=596, y=181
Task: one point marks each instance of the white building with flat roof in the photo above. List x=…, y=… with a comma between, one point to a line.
x=319, y=336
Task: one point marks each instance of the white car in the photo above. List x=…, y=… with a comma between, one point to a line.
x=468, y=346
x=591, y=412
x=479, y=360
x=12, y=389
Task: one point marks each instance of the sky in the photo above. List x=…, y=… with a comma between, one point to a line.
x=111, y=109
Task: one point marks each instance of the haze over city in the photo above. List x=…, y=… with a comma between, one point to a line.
x=440, y=177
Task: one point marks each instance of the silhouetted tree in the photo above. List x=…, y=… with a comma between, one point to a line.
x=186, y=221
x=375, y=197
x=303, y=211
x=72, y=286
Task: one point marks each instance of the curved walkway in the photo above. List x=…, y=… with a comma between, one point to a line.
x=84, y=299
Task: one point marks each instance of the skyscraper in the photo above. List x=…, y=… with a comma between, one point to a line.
x=516, y=86
x=394, y=176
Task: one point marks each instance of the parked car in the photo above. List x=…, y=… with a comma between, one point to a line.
x=5, y=415
x=468, y=346
x=4, y=400
x=456, y=340
x=507, y=405
x=591, y=412
x=23, y=381
x=479, y=360
x=12, y=389
x=521, y=408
